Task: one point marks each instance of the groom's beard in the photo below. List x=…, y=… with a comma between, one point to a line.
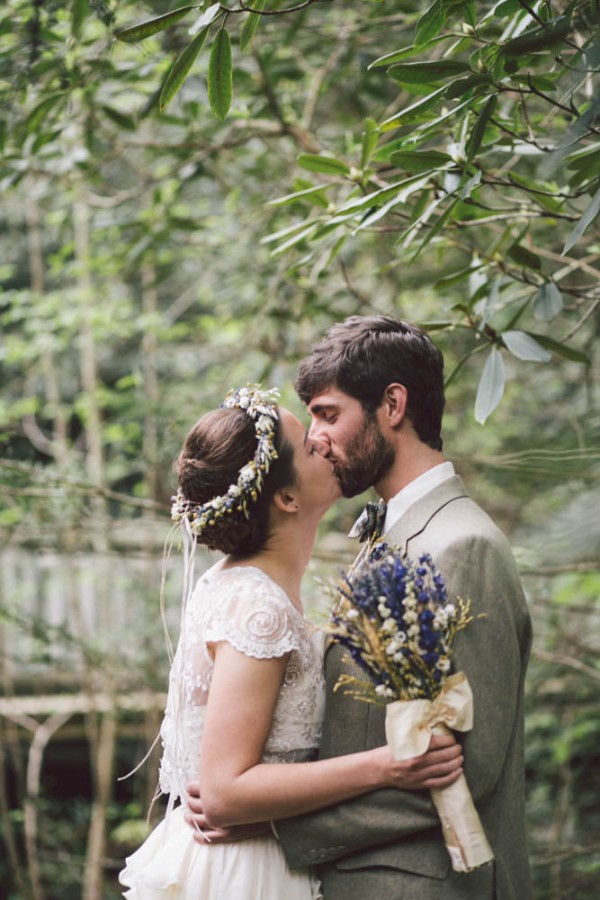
x=367, y=458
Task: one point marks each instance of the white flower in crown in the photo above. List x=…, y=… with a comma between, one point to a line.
x=247, y=474
x=264, y=424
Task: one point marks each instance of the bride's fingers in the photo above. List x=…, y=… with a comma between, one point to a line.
x=441, y=766
x=450, y=756
x=442, y=781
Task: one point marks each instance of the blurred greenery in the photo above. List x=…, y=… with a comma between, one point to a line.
x=163, y=240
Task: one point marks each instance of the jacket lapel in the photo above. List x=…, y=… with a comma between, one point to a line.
x=417, y=517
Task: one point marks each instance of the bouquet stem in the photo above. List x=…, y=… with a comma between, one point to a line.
x=408, y=734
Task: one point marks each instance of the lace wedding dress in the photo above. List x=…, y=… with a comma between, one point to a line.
x=245, y=608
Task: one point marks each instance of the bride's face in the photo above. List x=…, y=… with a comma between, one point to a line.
x=317, y=487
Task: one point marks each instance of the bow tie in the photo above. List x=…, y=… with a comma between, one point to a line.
x=369, y=524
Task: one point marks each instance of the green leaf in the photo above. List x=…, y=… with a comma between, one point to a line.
x=313, y=193
x=326, y=165
x=524, y=257
x=462, y=86
x=584, y=172
x=398, y=55
x=403, y=189
x=148, y=27
x=427, y=72
x=220, y=75
x=415, y=161
x=431, y=126
x=563, y=350
x=180, y=68
x=119, y=118
x=478, y=132
x=296, y=239
x=369, y=141
x=583, y=157
x=548, y=302
x=456, y=277
x=378, y=212
x=586, y=220
x=39, y=112
x=549, y=202
x=491, y=386
x=290, y=229
x=541, y=38
x=413, y=111
x=541, y=82
x=79, y=10
x=251, y=23
x=470, y=184
x=431, y=23
x=436, y=228
x=524, y=346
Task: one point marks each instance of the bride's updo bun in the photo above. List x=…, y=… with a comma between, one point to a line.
x=213, y=455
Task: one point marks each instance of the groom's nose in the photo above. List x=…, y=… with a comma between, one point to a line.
x=322, y=448
x=316, y=434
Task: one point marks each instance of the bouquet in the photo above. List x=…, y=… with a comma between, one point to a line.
x=394, y=618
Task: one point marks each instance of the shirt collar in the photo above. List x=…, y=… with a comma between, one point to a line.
x=405, y=498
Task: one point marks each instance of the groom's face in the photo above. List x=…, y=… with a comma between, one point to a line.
x=351, y=439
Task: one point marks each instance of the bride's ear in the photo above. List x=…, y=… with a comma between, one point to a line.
x=285, y=500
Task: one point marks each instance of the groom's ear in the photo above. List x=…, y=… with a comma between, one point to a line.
x=394, y=403
x=285, y=500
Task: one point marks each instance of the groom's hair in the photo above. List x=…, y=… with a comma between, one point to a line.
x=364, y=354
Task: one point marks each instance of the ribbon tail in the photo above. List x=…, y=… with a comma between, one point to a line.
x=463, y=832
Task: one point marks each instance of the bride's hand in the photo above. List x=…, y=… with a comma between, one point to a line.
x=205, y=833
x=438, y=767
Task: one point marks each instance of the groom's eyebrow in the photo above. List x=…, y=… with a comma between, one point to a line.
x=324, y=410
x=317, y=408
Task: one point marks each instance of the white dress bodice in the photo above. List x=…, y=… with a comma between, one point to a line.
x=248, y=610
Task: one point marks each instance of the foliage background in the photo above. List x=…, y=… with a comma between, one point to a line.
x=152, y=258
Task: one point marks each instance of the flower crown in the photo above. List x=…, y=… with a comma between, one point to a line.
x=261, y=406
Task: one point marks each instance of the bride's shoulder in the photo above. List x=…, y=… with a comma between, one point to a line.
x=240, y=582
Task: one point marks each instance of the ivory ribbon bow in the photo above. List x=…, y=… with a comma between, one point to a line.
x=409, y=724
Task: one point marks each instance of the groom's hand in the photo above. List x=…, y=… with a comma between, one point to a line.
x=205, y=833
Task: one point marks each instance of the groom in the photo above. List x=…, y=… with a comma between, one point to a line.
x=374, y=390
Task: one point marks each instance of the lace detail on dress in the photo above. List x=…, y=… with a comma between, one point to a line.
x=248, y=610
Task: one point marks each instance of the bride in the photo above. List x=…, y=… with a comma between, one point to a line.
x=246, y=688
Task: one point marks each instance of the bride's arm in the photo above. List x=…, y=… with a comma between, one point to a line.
x=237, y=788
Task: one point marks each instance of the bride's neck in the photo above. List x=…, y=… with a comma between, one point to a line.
x=284, y=558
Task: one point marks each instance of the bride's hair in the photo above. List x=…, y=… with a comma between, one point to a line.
x=217, y=448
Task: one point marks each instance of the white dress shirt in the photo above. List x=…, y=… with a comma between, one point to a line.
x=405, y=498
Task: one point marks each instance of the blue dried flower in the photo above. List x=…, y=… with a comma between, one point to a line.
x=393, y=619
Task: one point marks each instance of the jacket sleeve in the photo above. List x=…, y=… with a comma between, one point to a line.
x=379, y=817
x=492, y=651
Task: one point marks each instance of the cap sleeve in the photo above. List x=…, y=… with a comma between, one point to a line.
x=253, y=614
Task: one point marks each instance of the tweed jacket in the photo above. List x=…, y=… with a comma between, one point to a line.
x=388, y=844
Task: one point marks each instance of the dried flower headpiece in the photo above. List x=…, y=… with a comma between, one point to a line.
x=260, y=405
